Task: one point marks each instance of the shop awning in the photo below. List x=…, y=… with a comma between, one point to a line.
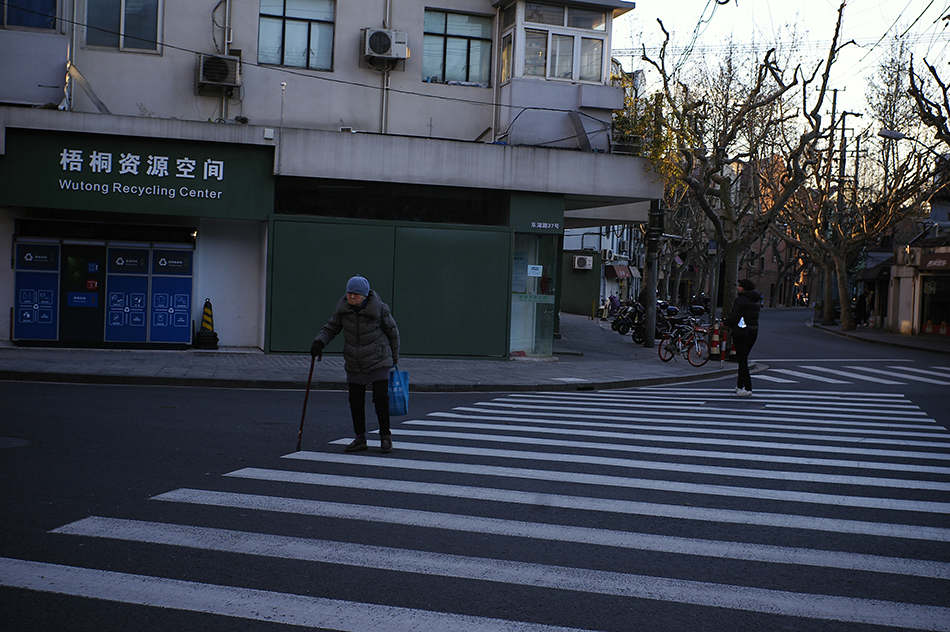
x=621, y=272
x=873, y=274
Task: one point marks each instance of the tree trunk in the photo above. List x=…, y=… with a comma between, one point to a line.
x=828, y=296
x=844, y=294
x=677, y=277
x=730, y=277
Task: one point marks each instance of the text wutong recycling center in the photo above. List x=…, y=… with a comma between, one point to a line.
x=158, y=166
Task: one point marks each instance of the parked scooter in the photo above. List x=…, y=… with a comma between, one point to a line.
x=627, y=318
x=611, y=307
x=699, y=304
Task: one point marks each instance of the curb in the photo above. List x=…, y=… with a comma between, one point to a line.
x=142, y=380
x=886, y=343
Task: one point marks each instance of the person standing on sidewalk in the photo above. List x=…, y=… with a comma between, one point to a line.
x=370, y=349
x=743, y=322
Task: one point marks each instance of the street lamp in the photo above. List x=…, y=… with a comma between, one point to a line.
x=892, y=134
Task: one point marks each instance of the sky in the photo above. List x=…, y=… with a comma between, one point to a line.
x=700, y=28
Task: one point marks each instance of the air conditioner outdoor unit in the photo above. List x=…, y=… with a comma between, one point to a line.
x=913, y=257
x=607, y=254
x=582, y=262
x=217, y=74
x=385, y=43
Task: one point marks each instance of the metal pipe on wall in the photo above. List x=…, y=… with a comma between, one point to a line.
x=384, y=91
x=228, y=38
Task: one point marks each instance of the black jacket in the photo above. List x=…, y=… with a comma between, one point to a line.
x=746, y=307
x=370, y=335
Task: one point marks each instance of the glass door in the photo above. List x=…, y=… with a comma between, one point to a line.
x=532, y=295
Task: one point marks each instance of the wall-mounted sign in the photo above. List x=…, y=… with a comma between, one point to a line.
x=127, y=295
x=128, y=261
x=173, y=262
x=37, y=257
x=135, y=174
x=935, y=263
x=36, y=315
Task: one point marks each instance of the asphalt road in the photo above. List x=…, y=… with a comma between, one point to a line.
x=814, y=505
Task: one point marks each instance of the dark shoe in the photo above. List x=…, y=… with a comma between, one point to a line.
x=386, y=445
x=357, y=445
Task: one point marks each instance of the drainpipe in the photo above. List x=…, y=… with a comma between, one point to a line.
x=496, y=80
x=70, y=57
x=228, y=38
x=384, y=92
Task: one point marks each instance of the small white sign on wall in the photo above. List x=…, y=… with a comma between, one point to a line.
x=535, y=271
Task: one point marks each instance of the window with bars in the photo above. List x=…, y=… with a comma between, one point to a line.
x=456, y=48
x=297, y=33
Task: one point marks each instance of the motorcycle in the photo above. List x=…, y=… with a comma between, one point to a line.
x=699, y=304
x=664, y=312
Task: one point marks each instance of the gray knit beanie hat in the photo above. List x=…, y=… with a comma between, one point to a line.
x=357, y=285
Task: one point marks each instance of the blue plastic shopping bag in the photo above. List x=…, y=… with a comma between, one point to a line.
x=398, y=392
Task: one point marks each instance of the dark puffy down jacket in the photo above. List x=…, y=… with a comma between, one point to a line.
x=746, y=306
x=370, y=335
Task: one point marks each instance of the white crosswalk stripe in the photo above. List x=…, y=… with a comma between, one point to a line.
x=799, y=488
x=851, y=373
x=810, y=376
x=244, y=603
x=773, y=378
x=898, y=371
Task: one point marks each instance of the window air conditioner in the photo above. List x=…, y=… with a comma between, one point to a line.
x=217, y=74
x=582, y=262
x=385, y=43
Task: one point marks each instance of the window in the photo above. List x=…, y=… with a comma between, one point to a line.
x=535, y=53
x=456, y=47
x=123, y=24
x=572, y=48
x=297, y=33
x=592, y=59
x=34, y=14
x=506, y=57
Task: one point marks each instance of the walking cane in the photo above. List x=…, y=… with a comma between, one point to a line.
x=305, y=397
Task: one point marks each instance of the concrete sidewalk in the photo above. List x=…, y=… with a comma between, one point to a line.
x=589, y=355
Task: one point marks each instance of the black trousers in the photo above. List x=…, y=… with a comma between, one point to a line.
x=380, y=401
x=744, y=340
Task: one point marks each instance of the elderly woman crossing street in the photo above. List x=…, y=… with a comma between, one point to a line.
x=370, y=349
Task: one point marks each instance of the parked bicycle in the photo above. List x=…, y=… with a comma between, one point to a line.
x=690, y=338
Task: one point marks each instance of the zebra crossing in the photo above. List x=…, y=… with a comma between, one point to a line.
x=891, y=374
x=812, y=508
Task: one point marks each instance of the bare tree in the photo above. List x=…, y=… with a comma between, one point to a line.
x=934, y=108
x=735, y=151
x=833, y=218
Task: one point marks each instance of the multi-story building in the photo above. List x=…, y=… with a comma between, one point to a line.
x=257, y=153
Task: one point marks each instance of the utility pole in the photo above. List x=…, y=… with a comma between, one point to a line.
x=654, y=234
x=842, y=161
